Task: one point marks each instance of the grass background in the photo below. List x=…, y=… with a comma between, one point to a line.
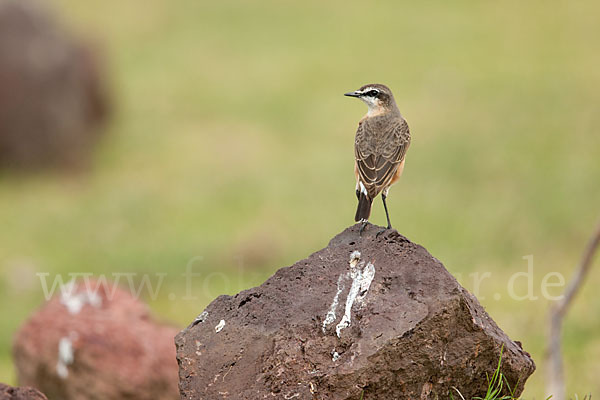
x=231, y=141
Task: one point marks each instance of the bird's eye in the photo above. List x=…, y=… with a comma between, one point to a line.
x=373, y=93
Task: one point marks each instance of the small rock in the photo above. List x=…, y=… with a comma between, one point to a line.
x=20, y=393
x=96, y=344
x=53, y=97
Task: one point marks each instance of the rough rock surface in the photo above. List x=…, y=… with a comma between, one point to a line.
x=20, y=393
x=376, y=317
x=52, y=91
x=96, y=344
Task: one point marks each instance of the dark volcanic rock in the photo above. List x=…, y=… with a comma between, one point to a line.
x=96, y=341
x=20, y=393
x=52, y=90
x=373, y=317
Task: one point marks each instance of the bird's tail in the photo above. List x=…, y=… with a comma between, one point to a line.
x=364, y=207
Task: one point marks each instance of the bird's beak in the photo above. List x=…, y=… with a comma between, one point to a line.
x=352, y=94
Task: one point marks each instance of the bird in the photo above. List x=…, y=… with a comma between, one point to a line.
x=380, y=145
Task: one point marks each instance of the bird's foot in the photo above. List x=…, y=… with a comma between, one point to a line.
x=362, y=228
x=383, y=230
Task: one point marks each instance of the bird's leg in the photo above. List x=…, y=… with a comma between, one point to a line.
x=362, y=227
x=364, y=222
x=387, y=215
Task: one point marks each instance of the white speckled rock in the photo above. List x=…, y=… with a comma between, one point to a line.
x=97, y=345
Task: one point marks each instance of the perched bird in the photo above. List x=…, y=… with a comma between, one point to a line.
x=381, y=142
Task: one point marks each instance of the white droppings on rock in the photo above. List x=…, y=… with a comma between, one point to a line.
x=74, y=301
x=354, y=258
x=330, y=317
x=220, y=326
x=335, y=356
x=361, y=282
x=365, y=280
x=200, y=318
x=65, y=357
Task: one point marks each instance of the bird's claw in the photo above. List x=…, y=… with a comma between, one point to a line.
x=382, y=230
x=362, y=228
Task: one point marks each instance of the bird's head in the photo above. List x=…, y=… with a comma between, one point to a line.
x=378, y=97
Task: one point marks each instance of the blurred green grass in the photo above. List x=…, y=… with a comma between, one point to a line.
x=232, y=141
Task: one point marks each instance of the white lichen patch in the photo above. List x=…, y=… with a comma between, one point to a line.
x=65, y=357
x=74, y=301
x=220, y=326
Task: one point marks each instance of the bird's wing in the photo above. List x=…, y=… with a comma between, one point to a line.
x=378, y=153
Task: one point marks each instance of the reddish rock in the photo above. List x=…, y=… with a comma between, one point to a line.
x=53, y=97
x=20, y=393
x=96, y=344
x=365, y=318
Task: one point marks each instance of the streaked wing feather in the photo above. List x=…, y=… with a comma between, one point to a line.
x=378, y=162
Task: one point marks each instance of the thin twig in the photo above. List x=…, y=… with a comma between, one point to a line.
x=556, y=383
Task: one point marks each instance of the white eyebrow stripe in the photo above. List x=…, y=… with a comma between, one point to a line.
x=367, y=90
